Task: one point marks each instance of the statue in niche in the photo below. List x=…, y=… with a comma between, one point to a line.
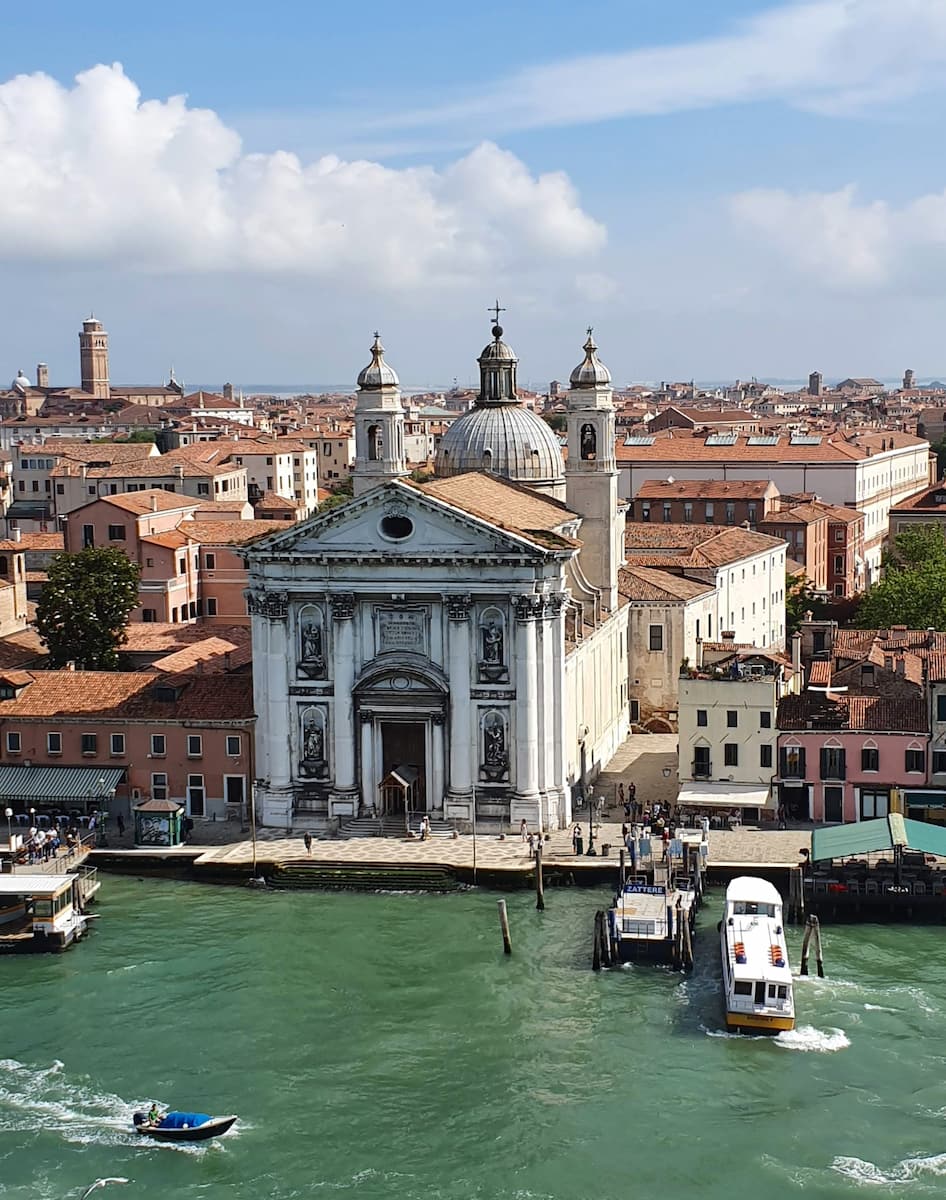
x=311, y=642
x=312, y=649
x=495, y=759
x=374, y=443
x=589, y=443
x=493, y=644
x=313, y=746
x=492, y=664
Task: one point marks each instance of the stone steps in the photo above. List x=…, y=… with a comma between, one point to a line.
x=392, y=827
x=304, y=875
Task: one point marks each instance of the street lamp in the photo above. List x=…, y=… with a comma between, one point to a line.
x=32, y=818
x=591, y=821
x=8, y=813
x=666, y=772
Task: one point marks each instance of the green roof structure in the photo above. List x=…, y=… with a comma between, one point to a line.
x=868, y=837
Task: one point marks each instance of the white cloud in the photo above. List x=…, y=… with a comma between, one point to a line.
x=843, y=243
x=94, y=174
x=833, y=56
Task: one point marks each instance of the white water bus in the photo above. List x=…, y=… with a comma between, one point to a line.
x=757, y=978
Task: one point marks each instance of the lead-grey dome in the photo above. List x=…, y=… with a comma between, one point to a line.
x=377, y=373
x=591, y=372
x=507, y=439
x=21, y=383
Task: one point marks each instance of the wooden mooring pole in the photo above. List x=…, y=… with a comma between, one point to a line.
x=539, y=888
x=504, y=926
x=596, y=943
x=812, y=929
x=622, y=877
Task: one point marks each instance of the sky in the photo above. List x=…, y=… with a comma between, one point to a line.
x=246, y=192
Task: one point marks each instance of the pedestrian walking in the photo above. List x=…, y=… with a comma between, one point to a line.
x=530, y=840
x=307, y=841
x=120, y=821
x=576, y=838
x=704, y=828
x=523, y=829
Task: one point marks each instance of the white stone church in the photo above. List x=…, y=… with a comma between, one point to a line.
x=450, y=644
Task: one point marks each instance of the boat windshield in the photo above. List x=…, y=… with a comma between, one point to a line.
x=752, y=908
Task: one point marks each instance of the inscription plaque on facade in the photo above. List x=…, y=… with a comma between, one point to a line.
x=402, y=630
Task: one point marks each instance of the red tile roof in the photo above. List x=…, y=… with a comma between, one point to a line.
x=704, y=489
x=130, y=695
x=644, y=584
x=228, y=533
x=151, y=500
x=877, y=714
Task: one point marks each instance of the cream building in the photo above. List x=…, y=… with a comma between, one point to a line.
x=463, y=634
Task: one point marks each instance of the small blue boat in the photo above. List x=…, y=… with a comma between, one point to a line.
x=182, y=1126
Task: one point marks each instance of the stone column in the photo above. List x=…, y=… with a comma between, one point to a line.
x=548, y=735
x=463, y=747
x=274, y=735
x=369, y=791
x=525, y=802
x=436, y=787
x=343, y=801
x=555, y=698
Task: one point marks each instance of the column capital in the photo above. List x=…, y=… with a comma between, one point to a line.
x=556, y=602
x=343, y=605
x=273, y=605
x=528, y=608
x=458, y=607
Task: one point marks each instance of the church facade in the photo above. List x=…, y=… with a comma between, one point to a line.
x=461, y=637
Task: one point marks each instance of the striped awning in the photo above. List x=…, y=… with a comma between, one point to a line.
x=53, y=785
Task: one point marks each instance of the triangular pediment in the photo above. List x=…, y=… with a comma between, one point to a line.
x=396, y=519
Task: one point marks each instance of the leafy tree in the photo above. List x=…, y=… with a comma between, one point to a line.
x=558, y=421
x=913, y=589
x=341, y=494
x=799, y=599
x=83, y=607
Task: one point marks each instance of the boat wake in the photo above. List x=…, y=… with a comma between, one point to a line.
x=47, y=1098
x=820, y=1041
x=908, y=1170
x=803, y=1037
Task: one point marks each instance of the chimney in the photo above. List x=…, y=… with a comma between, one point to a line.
x=901, y=665
x=42, y=375
x=70, y=665
x=699, y=654
x=154, y=503
x=17, y=533
x=796, y=653
x=179, y=470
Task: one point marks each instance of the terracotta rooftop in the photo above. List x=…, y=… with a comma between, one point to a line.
x=645, y=584
x=274, y=502
x=219, y=506
x=172, y=540
x=131, y=695
x=504, y=504
x=672, y=446
x=704, y=489
x=925, y=501
x=228, y=533
x=77, y=450
x=875, y=713
x=820, y=673
x=22, y=649
x=698, y=545
x=142, y=637
x=213, y=654
x=34, y=541
x=152, y=500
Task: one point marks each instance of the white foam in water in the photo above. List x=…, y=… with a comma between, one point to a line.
x=36, y=1098
x=806, y=1037
x=907, y=1171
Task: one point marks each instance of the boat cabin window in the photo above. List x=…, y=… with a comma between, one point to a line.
x=42, y=908
x=742, y=987
x=751, y=908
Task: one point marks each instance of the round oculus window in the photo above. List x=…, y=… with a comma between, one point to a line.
x=396, y=527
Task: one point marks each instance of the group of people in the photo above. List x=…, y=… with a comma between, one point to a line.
x=41, y=845
x=532, y=840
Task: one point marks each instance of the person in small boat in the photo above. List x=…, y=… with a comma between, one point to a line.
x=154, y=1116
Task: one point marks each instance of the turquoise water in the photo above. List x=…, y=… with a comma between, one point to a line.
x=383, y=1046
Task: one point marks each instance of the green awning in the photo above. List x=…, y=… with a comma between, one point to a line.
x=868, y=837
x=54, y=785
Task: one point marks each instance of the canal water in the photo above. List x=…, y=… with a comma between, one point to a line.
x=383, y=1047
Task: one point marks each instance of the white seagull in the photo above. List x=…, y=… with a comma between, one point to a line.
x=104, y=1183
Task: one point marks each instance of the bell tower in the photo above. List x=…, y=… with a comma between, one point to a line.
x=591, y=476
x=93, y=358
x=379, y=425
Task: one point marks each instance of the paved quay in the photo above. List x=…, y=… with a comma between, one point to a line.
x=746, y=846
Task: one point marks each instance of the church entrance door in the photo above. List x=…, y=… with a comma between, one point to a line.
x=404, y=744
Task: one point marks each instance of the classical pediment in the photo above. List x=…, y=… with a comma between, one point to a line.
x=396, y=520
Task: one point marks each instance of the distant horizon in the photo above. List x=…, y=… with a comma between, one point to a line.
x=322, y=389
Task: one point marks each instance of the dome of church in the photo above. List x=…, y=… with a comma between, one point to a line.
x=21, y=382
x=497, y=350
x=377, y=373
x=509, y=440
x=591, y=372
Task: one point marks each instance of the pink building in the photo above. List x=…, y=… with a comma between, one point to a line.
x=843, y=757
x=189, y=568
x=184, y=737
